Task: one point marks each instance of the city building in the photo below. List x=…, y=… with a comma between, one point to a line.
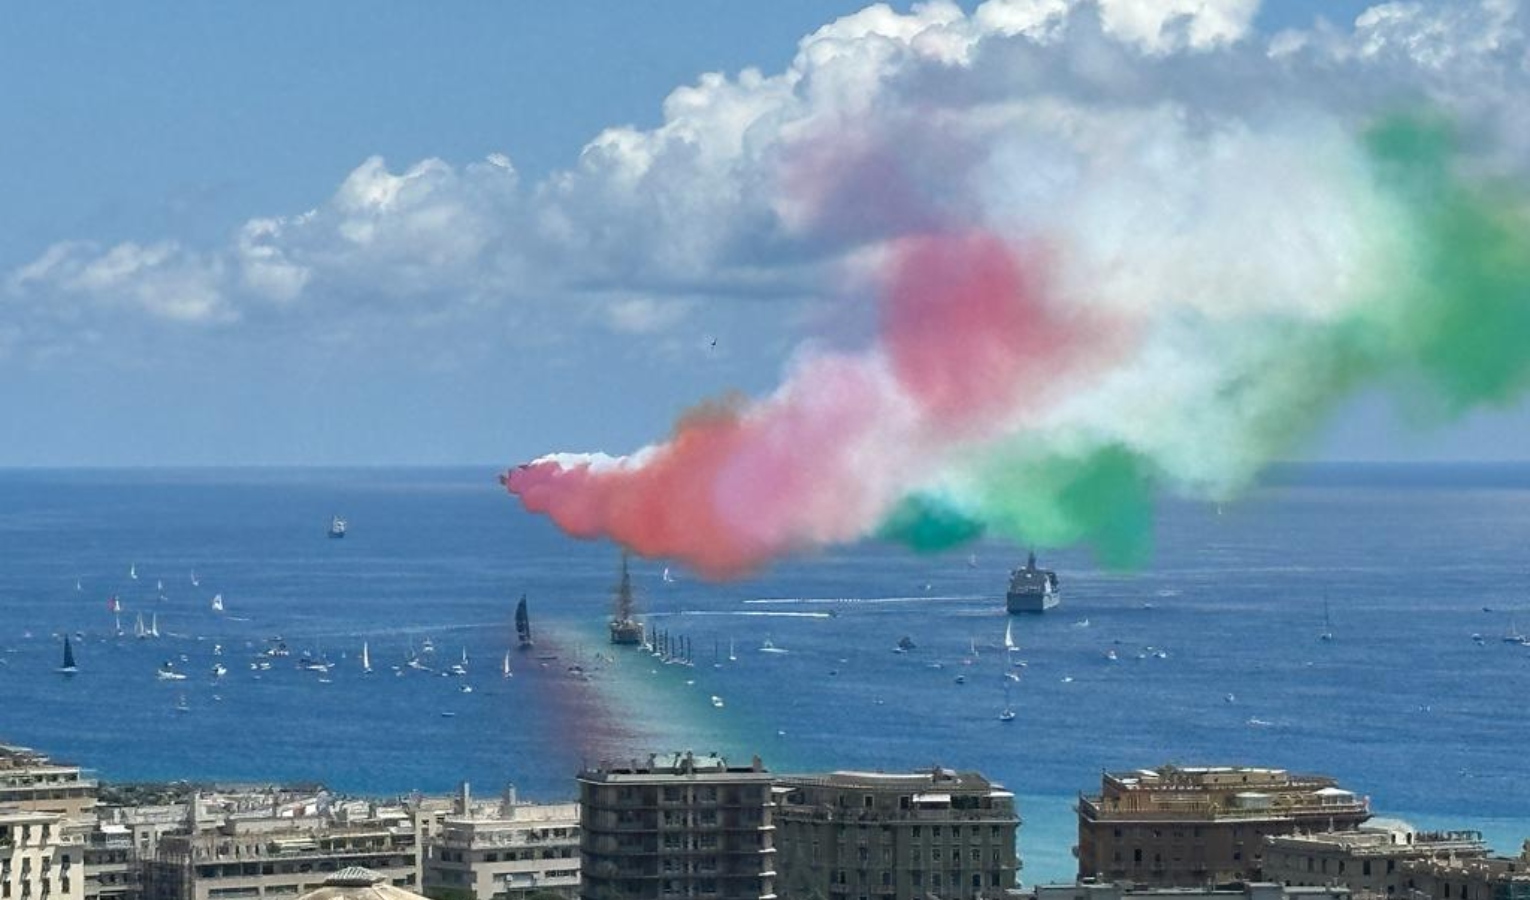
x=1191, y=826
x=32, y=781
x=1367, y=860
x=357, y=883
x=41, y=857
x=1102, y=890
x=503, y=850
x=894, y=836
x=680, y=826
x=258, y=856
x=1468, y=878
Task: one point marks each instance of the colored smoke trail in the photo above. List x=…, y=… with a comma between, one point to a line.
x=980, y=406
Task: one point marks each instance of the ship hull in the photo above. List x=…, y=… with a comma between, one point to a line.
x=1029, y=602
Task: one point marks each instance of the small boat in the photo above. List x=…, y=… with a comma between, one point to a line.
x=1008, y=714
x=159, y=585
x=717, y=701
x=668, y=578
x=445, y=714
x=1327, y=634
x=767, y=647
x=366, y=659
x=961, y=679
x=219, y=670
x=905, y=644
x=181, y=705
x=1111, y=655
x=505, y=667
x=195, y=582
x=1009, y=636
x=167, y=672
x=1012, y=676
x=523, y=625
x=68, y=668
x=113, y=604
x=457, y=669
x=154, y=625
x=78, y=586
x=337, y=527
x=133, y=571
x=466, y=689
x=217, y=603
x=732, y=656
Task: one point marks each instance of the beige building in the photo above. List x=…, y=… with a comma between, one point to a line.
x=503, y=850
x=860, y=835
x=680, y=826
x=1094, y=890
x=29, y=780
x=1369, y=860
x=245, y=857
x=1191, y=826
x=356, y=883
x=1456, y=878
x=41, y=857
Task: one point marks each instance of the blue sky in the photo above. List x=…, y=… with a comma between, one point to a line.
x=169, y=129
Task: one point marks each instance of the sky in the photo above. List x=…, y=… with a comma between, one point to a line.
x=352, y=233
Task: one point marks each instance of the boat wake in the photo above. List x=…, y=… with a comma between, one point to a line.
x=776, y=614
x=923, y=598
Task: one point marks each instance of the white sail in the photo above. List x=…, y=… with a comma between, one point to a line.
x=506, y=667
x=138, y=629
x=1009, y=635
x=366, y=658
x=154, y=625
x=217, y=603
x=133, y=571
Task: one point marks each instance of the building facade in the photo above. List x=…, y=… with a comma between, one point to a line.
x=1192, y=826
x=1370, y=860
x=1457, y=878
x=32, y=781
x=681, y=826
x=41, y=857
x=504, y=850
x=863, y=835
x=248, y=858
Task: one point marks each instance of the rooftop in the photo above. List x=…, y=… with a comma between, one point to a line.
x=356, y=883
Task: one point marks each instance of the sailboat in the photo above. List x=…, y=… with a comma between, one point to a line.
x=1327, y=634
x=1008, y=715
x=68, y=668
x=366, y=659
x=523, y=624
x=668, y=578
x=195, y=582
x=133, y=571
x=154, y=625
x=217, y=603
x=1009, y=636
x=78, y=586
x=139, y=631
x=505, y=668
x=732, y=657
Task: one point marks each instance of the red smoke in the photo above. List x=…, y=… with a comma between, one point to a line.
x=966, y=337
x=966, y=328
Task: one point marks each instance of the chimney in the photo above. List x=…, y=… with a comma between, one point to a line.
x=464, y=800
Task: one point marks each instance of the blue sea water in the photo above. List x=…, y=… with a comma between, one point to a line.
x=1218, y=656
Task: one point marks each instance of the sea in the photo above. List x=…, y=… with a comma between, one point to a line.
x=1214, y=653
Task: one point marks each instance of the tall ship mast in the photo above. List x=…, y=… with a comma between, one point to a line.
x=624, y=628
x=1031, y=590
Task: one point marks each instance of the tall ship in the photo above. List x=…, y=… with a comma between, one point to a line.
x=624, y=628
x=1031, y=590
x=522, y=624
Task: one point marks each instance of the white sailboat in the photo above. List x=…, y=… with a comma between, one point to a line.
x=1009, y=636
x=195, y=582
x=1008, y=715
x=139, y=631
x=366, y=658
x=133, y=571
x=1327, y=634
x=505, y=667
x=732, y=656
x=668, y=578
x=217, y=603
x=154, y=625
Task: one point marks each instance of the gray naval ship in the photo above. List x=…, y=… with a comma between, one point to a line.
x=1031, y=590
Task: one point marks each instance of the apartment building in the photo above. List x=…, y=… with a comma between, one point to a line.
x=504, y=850
x=1191, y=826
x=677, y=826
x=1368, y=860
x=41, y=856
x=864, y=835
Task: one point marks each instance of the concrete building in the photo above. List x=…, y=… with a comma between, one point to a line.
x=357, y=883
x=681, y=826
x=503, y=850
x=260, y=857
x=1458, y=878
x=41, y=857
x=1092, y=890
x=1367, y=860
x=860, y=835
x=32, y=781
x=1191, y=826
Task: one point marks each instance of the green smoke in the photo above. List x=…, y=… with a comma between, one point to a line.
x=929, y=524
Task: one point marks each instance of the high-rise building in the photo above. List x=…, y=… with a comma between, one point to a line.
x=681, y=826
x=862, y=835
x=1190, y=826
x=504, y=850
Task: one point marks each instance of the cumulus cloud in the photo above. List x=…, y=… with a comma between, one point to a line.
x=883, y=124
